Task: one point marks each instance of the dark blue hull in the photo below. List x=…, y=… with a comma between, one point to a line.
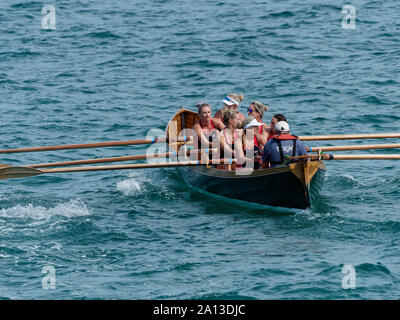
x=278, y=187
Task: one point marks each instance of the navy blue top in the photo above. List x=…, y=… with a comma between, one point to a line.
x=271, y=150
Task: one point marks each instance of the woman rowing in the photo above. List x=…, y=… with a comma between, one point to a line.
x=231, y=139
x=207, y=127
x=274, y=120
x=251, y=145
x=231, y=101
x=257, y=110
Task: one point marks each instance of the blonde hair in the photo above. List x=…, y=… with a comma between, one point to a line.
x=237, y=97
x=260, y=107
x=227, y=115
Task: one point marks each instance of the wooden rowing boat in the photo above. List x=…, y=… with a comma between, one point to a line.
x=294, y=186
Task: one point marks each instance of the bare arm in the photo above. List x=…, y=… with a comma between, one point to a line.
x=200, y=135
x=218, y=114
x=263, y=137
x=218, y=124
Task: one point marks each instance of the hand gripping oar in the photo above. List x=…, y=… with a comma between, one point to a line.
x=9, y=172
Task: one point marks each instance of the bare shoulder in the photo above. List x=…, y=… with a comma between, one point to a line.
x=218, y=114
x=218, y=123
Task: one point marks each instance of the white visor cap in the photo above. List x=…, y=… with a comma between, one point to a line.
x=230, y=101
x=253, y=123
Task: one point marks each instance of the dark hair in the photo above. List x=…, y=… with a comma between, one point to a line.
x=280, y=117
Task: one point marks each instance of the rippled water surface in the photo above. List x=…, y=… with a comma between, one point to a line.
x=112, y=70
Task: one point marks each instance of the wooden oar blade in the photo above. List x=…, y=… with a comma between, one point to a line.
x=17, y=172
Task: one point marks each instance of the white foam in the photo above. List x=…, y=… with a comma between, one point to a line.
x=129, y=187
x=133, y=185
x=73, y=208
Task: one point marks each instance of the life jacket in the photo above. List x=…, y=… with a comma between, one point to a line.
x=278, y=139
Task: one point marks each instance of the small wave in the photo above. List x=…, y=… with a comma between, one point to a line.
x=71, y=209
x=375, y=269
x=322, y=57
x=382, y=82
x=129, y=187
x=26, y=5
x=139, y=184
x=104, y=35
x=282, y=14
x=371, y=99
x=344, y=179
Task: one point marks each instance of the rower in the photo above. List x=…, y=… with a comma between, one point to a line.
x=251, y=145
x=230, y=140
x=274, y=120
x=281, y=145
x=257, y=110
x=231, y=101
x=207, y=127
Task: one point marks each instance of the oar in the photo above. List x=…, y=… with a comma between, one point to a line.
x=90, y=145
x=354, y=147
x=22, y=172
x=351, y=136
x=349, y=156
x=116, y=159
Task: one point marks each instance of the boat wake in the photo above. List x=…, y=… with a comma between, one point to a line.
x=71, y=209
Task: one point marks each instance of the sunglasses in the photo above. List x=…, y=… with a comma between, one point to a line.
x=250, y=110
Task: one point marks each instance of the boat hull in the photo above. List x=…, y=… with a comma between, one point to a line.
x=271, y=187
